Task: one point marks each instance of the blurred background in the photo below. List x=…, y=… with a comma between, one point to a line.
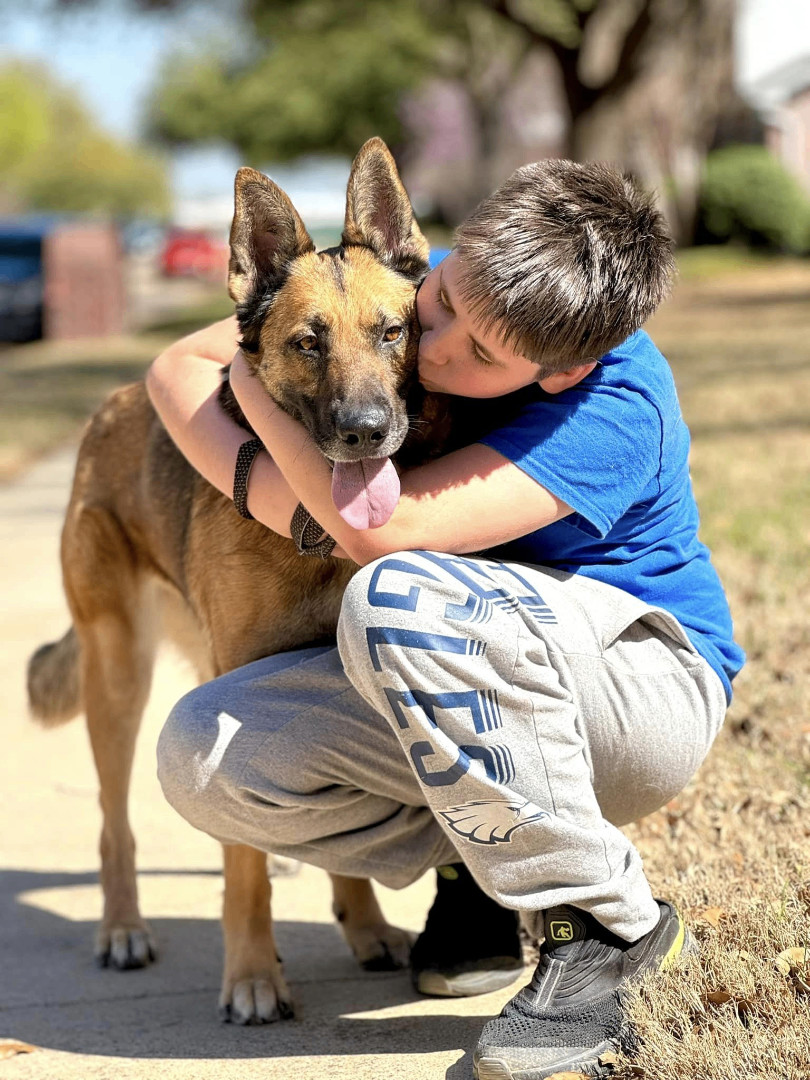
x=122, y=123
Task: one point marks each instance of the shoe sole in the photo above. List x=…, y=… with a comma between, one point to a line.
x=497, y=1069
x=468, y=984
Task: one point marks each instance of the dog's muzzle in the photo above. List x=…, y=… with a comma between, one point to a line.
x=363, y=430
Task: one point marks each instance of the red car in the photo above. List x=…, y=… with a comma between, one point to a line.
x=193, y=253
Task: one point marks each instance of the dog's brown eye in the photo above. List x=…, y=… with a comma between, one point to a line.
x=393, y=333
x=308, y=343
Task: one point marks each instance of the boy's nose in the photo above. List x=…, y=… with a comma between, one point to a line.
x=432, y=348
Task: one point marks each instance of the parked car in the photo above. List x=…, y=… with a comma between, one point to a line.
x=21, y=279
x=193, y=253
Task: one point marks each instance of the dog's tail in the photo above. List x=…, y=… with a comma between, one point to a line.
x=54, y=688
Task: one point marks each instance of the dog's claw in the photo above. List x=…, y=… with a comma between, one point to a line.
x=124, y=949
x=285, y=1010
x=383, y=962
x=257, y=1000
x=380, y=948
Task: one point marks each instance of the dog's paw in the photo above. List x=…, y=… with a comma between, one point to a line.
x=380, y=947
x=257, y=999
x=124, y=948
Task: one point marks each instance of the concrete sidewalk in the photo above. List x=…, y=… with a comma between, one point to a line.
x=161, y=1021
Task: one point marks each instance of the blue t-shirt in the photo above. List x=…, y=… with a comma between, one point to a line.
x=615, y=448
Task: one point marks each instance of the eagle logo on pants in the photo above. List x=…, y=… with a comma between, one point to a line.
x=491, y=821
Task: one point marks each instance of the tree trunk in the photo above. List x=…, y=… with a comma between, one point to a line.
x=462, y=144
x=644, y=90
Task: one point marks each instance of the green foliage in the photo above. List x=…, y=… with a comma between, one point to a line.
x=748, y=195
x=324, y=75
x=320, y=76
x=53, y=157
x=24, y=127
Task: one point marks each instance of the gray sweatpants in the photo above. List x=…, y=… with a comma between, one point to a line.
x=508, y=715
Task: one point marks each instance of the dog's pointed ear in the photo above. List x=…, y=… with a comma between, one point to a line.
x=266, y=234
x=379, y=214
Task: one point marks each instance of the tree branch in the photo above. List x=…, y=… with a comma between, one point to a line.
x=504, y=8
x=627, y=64
x=579, y=97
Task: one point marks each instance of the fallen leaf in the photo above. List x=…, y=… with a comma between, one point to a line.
x=744, y=1005
x=718, y=997
x=722, y=997
x=10, y=1047
x=713, y=915
x=796, y=964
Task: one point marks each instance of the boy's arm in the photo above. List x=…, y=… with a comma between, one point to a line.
x=183, y=385
x=469, y=500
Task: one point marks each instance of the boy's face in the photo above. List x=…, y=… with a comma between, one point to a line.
x=455, y=355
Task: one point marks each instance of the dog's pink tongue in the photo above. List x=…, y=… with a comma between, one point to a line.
x=365, y=492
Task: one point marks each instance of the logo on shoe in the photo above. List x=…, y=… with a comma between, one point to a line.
x=560, y=930
x=491, y=821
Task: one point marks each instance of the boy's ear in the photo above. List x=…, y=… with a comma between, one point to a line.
x=379, y=214
x=266, y=234
x=564, y=380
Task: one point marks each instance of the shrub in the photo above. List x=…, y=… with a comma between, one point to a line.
x=747, y=194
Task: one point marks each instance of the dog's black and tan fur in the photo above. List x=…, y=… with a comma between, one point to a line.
x=332, y=336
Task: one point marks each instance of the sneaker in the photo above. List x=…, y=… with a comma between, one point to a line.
x=470, y=944
x=571, y=1011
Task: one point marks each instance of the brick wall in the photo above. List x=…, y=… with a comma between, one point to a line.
x=788, y=135
x=84, y=283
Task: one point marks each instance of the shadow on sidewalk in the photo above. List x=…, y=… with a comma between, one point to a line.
x=53, y=995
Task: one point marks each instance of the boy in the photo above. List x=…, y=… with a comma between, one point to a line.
x=514, y=709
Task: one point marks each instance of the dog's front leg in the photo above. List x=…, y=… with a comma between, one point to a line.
x=377, y=945
x=253, y=987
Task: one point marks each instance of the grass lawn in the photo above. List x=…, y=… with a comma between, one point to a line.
x=49, y=389
x=734, y=848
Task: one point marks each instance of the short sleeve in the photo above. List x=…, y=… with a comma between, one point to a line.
x=596, y=448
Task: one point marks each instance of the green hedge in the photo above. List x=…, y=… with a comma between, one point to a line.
x=748, y=195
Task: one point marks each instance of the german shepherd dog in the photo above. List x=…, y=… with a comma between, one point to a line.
x=148, y=544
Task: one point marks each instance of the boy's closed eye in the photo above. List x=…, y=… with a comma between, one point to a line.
x=445, y=304
x=441, y=296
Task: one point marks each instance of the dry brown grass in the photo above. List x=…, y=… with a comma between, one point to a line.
x=733, y=850
x=48, y=389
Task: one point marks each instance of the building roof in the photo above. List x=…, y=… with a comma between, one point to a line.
x=781, y=84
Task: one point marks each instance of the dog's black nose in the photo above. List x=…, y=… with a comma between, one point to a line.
x=362, y=428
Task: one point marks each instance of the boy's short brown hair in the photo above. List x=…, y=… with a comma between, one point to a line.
x=564, y=261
